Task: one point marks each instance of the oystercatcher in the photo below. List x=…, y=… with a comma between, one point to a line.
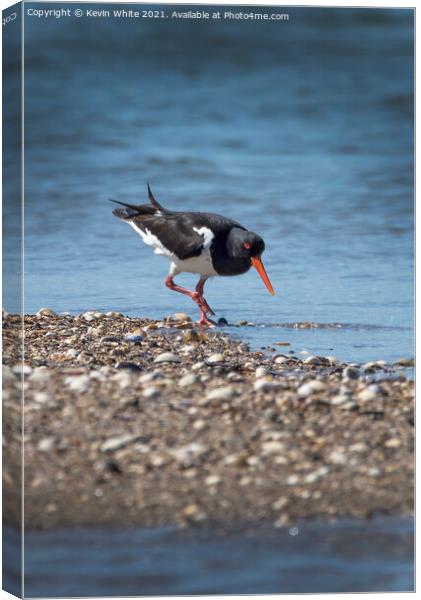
x=196, y=242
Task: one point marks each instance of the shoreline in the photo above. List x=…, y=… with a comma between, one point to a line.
x=132, y=421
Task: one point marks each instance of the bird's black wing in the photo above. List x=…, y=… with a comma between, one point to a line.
x=177, y=231
x=173, y=232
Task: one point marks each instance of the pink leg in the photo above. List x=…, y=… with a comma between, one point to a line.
x=199, y=289
x=196, y=296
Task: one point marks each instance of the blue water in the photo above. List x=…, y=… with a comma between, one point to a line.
x=301, y=130
x=357, y=556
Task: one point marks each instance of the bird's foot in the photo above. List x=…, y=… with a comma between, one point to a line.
x=202, y=304
x=205, y=322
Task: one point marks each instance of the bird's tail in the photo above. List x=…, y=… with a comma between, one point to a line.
x=131, y=210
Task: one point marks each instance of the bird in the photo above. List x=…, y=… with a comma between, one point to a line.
x=196, y=242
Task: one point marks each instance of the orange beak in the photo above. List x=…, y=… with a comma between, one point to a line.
x=258, y=265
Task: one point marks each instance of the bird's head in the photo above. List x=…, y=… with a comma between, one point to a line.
x=248, y=245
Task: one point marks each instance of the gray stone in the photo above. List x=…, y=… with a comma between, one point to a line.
x=310, y=387
x=79, y=383
x=151, y=392
x=46, y=444
x=312, y=360
x=188, y=380
x=46, y=312
x=115, y=443
x=265, y=385
x=167, y=357
x=188, y=455
x=214, y=359
x=350, y=373
x=221, y=394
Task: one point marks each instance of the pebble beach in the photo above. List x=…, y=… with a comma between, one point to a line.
x=137, y=421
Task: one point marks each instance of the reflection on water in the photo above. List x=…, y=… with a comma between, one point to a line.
x=347, y=556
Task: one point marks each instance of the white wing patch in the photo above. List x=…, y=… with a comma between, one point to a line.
x=201, y=264
x=151, y=240
x=207, y=235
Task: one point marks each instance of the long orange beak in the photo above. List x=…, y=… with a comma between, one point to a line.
x=258, y=265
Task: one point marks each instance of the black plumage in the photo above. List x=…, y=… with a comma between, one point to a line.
x=227, y=247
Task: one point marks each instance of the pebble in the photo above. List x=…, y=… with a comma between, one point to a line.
x=265, y=385
x=199, y=425
x=167, y=357
x=292, y=480
x=193, y=512
x=222, y=393
x=91, y=315
x=312, y=360
x=21, y=369
x=280, y=503
x=83, y=357
x=181, y=317
x=405, y=362
x=339, y=399
x=188, y=455
x=310, y=387
x=337, y=457
x=109, y=339
x=214, y=359
x=212, y=480
x=130, y=366
x=349, y=405
x=272, y=447
x=191, y=335
x=42, y=397
x=358, y=447
x=132, y=337
x=316, y=475
x=148, y=377
x=260, y=372
x=122, y=379
x=222, y=322
x=350, y=373
x=46, y=312
x=372, y=392
x=370, y=366
x=115, y=443
x=197, y=366
x=393, y=443
x=71, y=353
x=46, y=444
x=280, y=360
x=188, y=348
x=188, y=380
x=79, y=383
x=151, y=392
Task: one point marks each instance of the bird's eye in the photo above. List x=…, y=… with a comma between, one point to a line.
x=247, y=246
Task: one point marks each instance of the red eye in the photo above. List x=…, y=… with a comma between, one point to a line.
x=247, y=246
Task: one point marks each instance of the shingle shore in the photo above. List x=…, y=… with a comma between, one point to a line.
x=134, y=421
